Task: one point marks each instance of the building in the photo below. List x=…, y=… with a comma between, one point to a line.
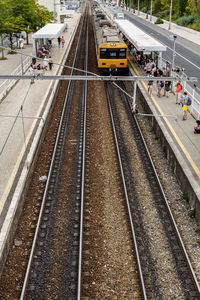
x=61, y=8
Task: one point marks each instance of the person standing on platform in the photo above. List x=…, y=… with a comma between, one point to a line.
x=186, y=102
x=150, y=85
x=32, y=73
x=59, y=41
x=166, y=88
x=179, y=88
x=45, y=63
x=197, y=127
x=62, y=41
x=138, y=58
x=50, y=63
x=160, y=85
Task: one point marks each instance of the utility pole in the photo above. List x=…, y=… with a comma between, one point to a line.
x=151, y=12
x=170, y=16
x=147, y=15
x=138, y=7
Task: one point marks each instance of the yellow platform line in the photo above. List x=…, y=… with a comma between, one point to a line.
x=194, y=166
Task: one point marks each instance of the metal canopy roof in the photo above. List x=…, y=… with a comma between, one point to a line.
x=49, y=31
x=141, y=40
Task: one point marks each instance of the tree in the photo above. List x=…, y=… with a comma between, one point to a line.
x=193, y=7
x=34, y=16
x=157, y=6
x=182, y=7
x=8, y=23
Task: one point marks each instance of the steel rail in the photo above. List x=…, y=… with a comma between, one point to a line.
x=195, y=281
x=27, y=274
x=127, y=201
x=83, y=170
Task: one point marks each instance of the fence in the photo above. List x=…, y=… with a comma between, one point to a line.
x=192, y=92
x=6, y=86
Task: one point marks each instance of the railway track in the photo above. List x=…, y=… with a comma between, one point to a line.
x=104, y=231
x=50, y=272
x=161, y=262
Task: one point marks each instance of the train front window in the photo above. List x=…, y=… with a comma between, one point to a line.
x=122, y=53
x=112, y=53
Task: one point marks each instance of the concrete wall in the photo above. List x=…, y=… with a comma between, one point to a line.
x=49, y=4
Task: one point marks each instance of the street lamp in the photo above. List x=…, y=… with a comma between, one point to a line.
x=138, y=7
x=170, y=16
x=174, y=38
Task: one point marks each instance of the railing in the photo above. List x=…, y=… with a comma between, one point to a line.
x=6, y=86
x=194, y=109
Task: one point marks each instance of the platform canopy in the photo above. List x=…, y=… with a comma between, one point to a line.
x=141, y=40
x=49, y=31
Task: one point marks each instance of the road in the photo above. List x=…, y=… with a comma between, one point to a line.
x=188, y=53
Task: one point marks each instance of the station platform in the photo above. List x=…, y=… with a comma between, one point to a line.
x=17, y=134
x=35, y=99
x=180, y=134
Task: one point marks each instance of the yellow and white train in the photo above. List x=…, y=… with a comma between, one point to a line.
x=112, y=52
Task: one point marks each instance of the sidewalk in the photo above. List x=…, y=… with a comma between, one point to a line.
x=33, y=100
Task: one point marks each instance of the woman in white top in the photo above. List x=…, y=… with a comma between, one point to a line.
x=32, y=73
x=45, y=62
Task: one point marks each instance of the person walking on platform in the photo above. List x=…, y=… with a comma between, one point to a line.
x=197, y=127
x=59, y=41
x=62, y=41
x=179, y=88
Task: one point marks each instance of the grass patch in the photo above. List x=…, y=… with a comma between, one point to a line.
x=3, y=58
x=191, y=213
x=159, y=21
x=198, y=230
x=12, y=52
x=185, y=197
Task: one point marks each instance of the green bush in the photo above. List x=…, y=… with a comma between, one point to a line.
x=196, y=25
x=186, y=20
x=144, y=10
x=159, y=21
